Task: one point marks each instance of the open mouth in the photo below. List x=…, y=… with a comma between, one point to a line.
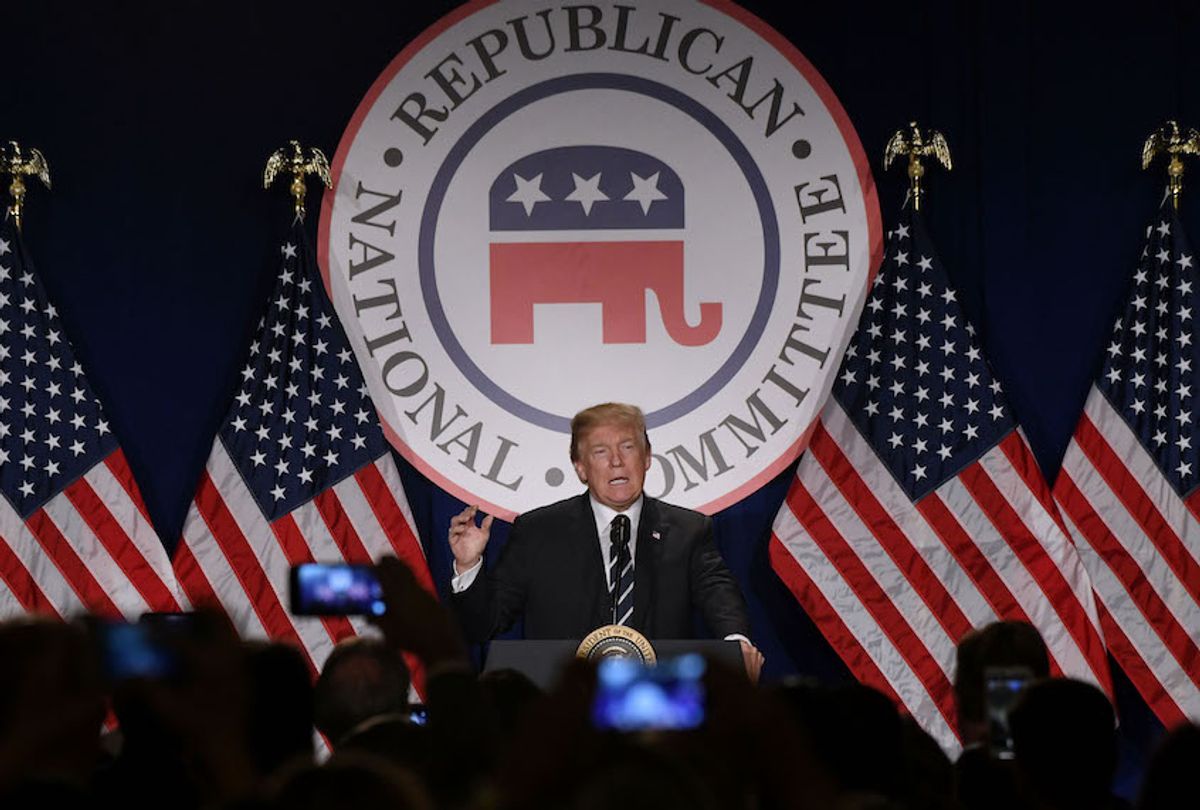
x=618, y=481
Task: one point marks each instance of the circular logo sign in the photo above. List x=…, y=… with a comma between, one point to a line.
x=539, y=207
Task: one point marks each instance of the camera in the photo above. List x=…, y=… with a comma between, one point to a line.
x=335, y=589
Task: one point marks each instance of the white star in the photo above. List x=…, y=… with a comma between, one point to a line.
x=344, y=355
x=1184, y=469
x=925, y=263
x=918, y=472
x=901, y=258
x=289, y=251
x=26, y=487
x=1160, y=438
x=895, y=440
x=645, y=191
x=242, y=398
x=3, y=248
x=309, y=449
x=996, y=411
x=305, y=476
x=849, y=377
x=239, y=424
x=101, y=426
x=324, y=320
x=971, y=432
x=944, y=452
x=77, y=447
x=586, y=192
x=901, y=231
x=359, y=442
x=263, y=432
x=277, y=492
x=259, y=458
x=331, y=458
x=361, y=416
x=529, y=193
x=281, y=467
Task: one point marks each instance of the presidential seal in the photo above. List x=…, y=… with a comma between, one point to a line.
x=539, y=206
x=616, y=641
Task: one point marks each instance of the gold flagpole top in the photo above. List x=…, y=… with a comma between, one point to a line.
x=291, y=159
x=917, y=144
x=21, y=163
x=1170, y=141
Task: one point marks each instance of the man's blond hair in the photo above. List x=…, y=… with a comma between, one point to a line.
x=608, y=413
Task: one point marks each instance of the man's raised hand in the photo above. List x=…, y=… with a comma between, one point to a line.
x=467, y=541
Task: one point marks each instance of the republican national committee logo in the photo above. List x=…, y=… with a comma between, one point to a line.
x=541, y=206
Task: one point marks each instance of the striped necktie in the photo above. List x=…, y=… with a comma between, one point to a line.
x=623, y=580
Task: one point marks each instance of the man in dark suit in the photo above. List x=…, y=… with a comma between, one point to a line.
x=562, y=560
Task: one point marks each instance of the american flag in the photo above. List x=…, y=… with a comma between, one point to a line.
x=1128, y=483
x=299, y=472
x=74, y=534
x=918, y=512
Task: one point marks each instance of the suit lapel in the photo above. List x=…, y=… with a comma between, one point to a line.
x=594, y=577
x=645, y=564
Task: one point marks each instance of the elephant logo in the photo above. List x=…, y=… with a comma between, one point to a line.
x=583, y=192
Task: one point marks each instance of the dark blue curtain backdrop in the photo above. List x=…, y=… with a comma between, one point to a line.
x=158, y=244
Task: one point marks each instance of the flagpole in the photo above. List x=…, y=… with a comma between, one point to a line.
x=21, y=163
x=1169, y=140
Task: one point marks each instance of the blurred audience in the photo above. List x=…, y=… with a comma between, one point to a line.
x=214, y=722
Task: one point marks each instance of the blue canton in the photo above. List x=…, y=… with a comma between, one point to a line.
x=52, y=429
x=1148, y=365
x=913, y=380
x=302, y=420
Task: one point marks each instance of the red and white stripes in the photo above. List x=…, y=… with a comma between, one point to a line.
x=1140, y=542
x=90, y=548
x=894, y=585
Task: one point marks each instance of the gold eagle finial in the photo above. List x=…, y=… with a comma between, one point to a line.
x=291, y=159
x=1170, y=140
x=917, y=144
x=22, y=163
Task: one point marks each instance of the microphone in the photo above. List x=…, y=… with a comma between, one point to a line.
x=620, y=553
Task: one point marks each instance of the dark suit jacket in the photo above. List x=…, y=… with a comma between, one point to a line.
x=552, y=573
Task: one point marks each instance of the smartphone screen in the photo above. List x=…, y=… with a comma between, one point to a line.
x=133, y=650
x=335, y=589
x=666, y=697
x=1001, y=687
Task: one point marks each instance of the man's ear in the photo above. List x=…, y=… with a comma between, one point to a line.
x=581, y=471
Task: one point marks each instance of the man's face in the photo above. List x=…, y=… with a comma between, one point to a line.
x=612, y=462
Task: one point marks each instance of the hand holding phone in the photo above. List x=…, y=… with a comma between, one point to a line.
x=1001, y=686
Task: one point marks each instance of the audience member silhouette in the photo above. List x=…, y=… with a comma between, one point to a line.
x=363, y=678
x=228, y=725
x=1170, y=777
x=1064, y=738
x=985, y=777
